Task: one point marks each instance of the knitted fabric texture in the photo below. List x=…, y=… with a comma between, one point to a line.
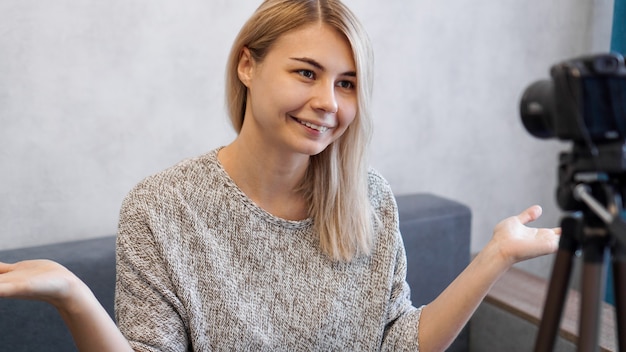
x=200, y=267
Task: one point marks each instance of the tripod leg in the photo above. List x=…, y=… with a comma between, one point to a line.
x=559, y=282
x=619, y=281
x=593, y=283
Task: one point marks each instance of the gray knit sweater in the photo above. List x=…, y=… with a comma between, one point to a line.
x=200, y=267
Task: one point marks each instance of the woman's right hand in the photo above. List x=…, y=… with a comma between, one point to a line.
x=41, y=280
x=44, y=280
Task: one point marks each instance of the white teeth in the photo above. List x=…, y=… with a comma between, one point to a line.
x=315, y=127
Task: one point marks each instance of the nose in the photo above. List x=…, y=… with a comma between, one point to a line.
x=325, y=98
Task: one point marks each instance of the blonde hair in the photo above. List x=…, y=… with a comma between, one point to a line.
x=335, y=184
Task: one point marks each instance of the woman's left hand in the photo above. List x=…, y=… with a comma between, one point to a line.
x=516, y=241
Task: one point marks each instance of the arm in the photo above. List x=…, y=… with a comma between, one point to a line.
x=44, y=280
x=442, y=319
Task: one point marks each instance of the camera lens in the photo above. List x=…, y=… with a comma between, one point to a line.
x=536, y=109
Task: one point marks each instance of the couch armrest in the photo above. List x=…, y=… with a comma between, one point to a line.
x=436, y=233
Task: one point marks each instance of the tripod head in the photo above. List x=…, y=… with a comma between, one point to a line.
x=596, y=186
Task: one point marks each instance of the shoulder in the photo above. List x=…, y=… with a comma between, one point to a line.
x=388, y=241
x=384, y=206
x=376, y=180
x=185, y=177
x=379, y=190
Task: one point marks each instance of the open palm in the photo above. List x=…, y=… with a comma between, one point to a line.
x=43, y=280
x=518, y=242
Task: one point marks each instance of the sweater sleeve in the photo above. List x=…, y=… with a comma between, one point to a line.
x=402, y=321
x=147, y=310
x=401, y=331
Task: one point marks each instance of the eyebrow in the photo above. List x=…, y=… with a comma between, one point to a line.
x=319, y=66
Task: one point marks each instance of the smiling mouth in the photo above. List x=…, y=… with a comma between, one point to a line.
x=319, y=128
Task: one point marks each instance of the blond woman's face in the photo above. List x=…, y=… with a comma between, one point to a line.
x=303, y=95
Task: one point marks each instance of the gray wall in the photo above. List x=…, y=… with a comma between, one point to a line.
x=95, y=95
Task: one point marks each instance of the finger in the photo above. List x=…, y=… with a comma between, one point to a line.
x=7, y=289
x=5, y=267
x=8, y=285
x=552, y=239
x=14, y=290
x=530, y=214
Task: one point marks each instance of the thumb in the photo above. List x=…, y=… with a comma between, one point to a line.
x=530, y=214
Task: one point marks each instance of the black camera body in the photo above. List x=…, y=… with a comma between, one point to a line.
x=584, y=102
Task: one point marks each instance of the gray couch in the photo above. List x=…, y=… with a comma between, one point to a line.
x=436, y=234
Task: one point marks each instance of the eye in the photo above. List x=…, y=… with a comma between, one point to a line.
x=306, y=73
x=345, y=85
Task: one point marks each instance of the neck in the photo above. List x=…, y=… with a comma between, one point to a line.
x=269, y=178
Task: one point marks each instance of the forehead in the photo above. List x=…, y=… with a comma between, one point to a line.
x=318, y=41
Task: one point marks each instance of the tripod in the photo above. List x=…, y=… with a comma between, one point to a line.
x=600, y=232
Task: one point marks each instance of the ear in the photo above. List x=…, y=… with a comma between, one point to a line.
x=245, y=68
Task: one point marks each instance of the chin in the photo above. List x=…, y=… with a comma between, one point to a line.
x=312, y=148
x=316, y=151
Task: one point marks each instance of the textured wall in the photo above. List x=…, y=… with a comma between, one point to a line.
x=95, y=95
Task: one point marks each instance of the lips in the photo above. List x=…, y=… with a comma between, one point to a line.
x=319, y=128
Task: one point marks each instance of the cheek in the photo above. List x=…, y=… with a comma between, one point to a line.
x=345, y=120
x=275, y=94
x=287, y=98
x=347, y=113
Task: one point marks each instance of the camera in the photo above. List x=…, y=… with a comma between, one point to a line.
x=584, y=102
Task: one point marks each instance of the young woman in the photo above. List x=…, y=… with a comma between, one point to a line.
x=283, y=239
